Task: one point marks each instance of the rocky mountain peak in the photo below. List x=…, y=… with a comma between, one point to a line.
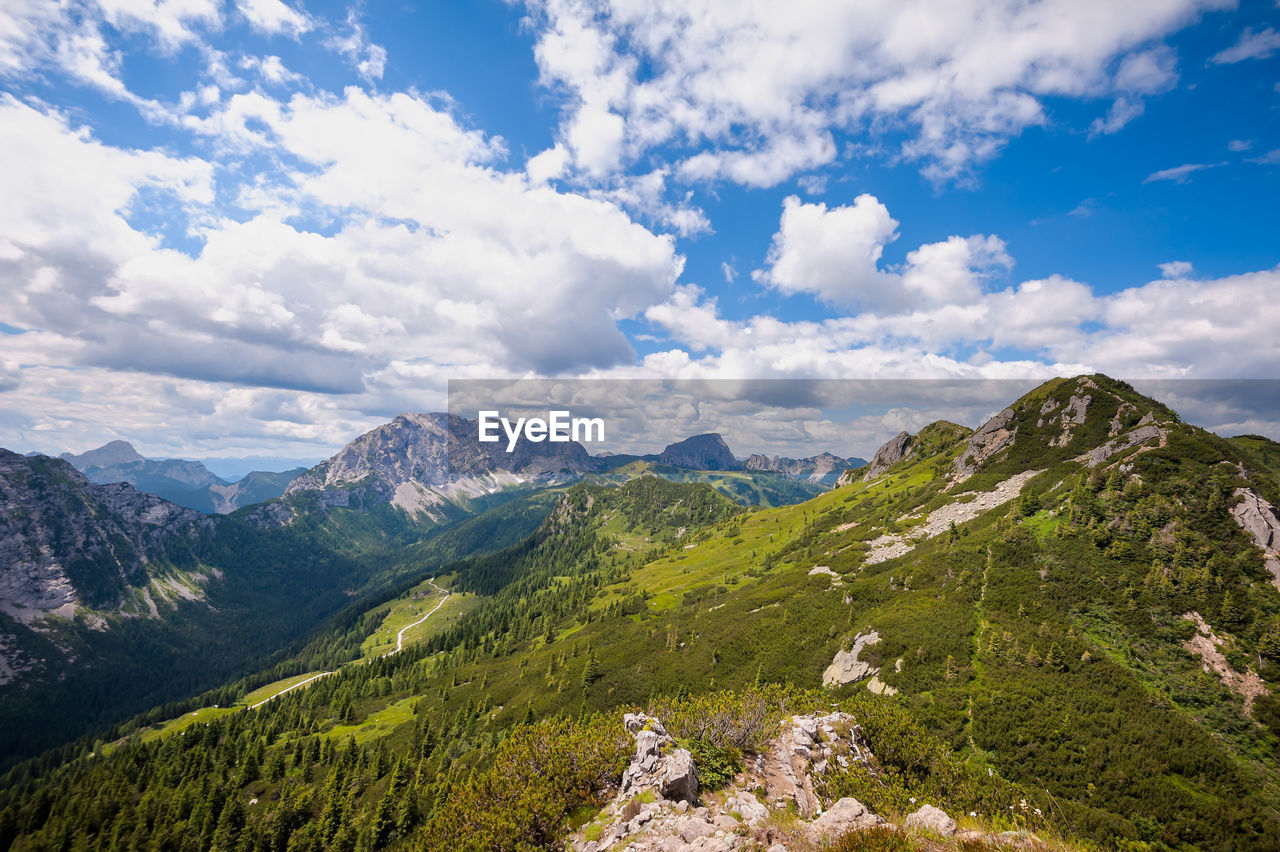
x=109, y=454
x=699, y=452
x=419, y=461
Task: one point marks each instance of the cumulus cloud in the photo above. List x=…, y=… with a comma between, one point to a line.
x=831, y=253
x=752, y=93
x=834, y=254
x=444, y=262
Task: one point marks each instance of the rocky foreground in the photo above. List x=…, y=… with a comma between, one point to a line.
x=771, y=806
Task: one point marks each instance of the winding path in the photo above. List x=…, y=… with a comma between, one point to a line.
x=400, y=635
x=399, y=646
x=283, y=691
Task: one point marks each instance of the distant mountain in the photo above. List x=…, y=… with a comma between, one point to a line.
x=424, y=463
x=824, y=468
x=109, y=454
x=65, y=541
x=186, y=483
x=700, y=452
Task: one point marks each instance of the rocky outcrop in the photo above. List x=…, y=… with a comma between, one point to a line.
x=1207, y=646
x=66, y=542
x=846, y=667
x=929, y=818
x=700, y=452
x=825, y=468
x=1074, y=415
x=771, y=805
x=1258, y=518
x=844, y=816
x=419, y=462
x=890, y=453
x=994, y=436
x=1143, y=433
x=940, y=520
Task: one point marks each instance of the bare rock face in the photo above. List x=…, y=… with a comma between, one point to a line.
x=66, y=542
x=1127, y=441
x=419, y=461
x=932, y=819
x=993, y=437
x=700, y=452
x=846, y=667
x=890, y=453
x=1258, y=518
x=823, y=468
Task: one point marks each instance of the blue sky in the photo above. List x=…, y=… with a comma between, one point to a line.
x=254, y=227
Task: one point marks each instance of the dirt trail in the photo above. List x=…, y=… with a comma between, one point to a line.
x=400, y=635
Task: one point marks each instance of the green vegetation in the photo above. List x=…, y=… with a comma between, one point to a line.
x=1039, y=652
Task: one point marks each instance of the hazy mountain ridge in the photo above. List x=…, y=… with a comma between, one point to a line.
x=186, y=483
x=824, y=467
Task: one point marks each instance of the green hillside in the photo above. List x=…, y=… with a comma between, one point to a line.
x=1066, y=611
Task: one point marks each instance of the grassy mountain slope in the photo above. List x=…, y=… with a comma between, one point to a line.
x=1037, y=588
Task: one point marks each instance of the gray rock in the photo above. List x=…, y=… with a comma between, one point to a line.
x=932, y=819
x=1258, y=518
x=1127, y=441
x=890, y=453
x=846, y=667
x=679, y=776
x=690, y=828
x=848, y=814
x=993, y=437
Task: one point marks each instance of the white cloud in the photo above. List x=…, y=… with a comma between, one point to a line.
x=1240, y=145
x=274, y=17
x=547, y=165
x=444, y=265
x=1175, y=269
x=752, y=92
x=833, y=253
x=368, y=59
x=1251, y=45
x=1179, y=174
x=1123, y=111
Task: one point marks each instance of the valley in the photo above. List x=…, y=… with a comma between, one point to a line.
x=1062, y=608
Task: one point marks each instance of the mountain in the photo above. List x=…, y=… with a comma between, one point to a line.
x=110, y=454
x=186, y=483
x=699, y=452
x=825, y=467
x=427, y=463
x=66, y=542
x=1060, y=628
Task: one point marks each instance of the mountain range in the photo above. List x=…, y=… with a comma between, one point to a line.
x=186, y=483
x=1061, y=627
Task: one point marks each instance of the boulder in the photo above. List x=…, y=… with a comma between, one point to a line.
x=679, y=776
x=932, y=819
x=690, y=828
x=845, y=815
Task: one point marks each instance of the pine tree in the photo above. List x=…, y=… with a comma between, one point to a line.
x=590, y=670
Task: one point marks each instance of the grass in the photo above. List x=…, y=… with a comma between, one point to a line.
x=377, y=724
x=406, y=610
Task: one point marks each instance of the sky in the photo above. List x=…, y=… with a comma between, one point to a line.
x=256, y=227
